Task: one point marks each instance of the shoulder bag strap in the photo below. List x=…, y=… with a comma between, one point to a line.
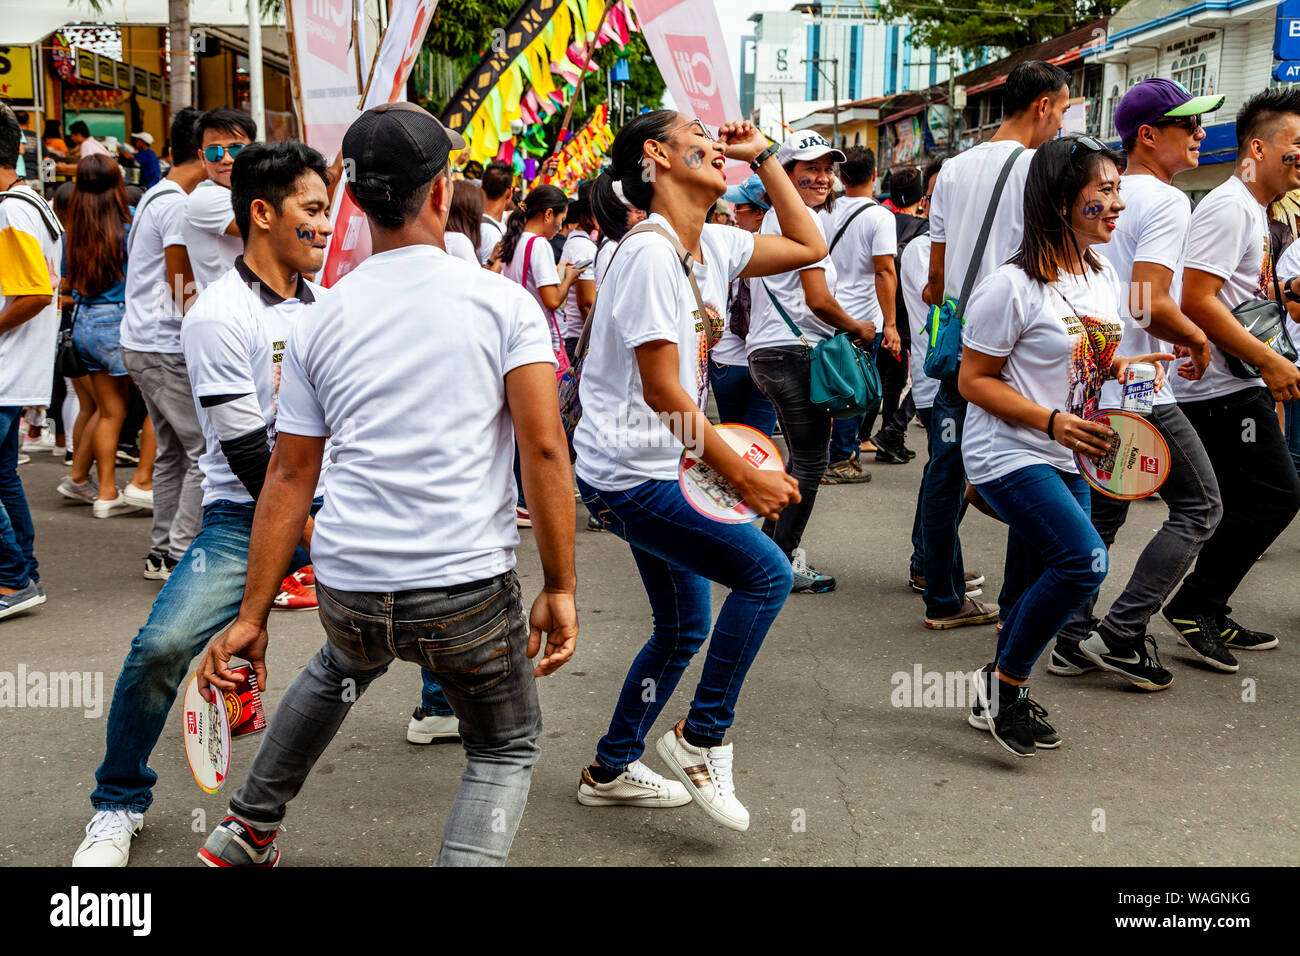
x=781, y=312
x=139, y=211
x=854, y=215
x=987, y=227
x=47, y=214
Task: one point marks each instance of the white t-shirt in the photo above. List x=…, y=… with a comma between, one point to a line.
x=577, y=248
x=620, y=440
x=234, y=339
x=208, y=214
x=458, y=245
x=151, y=322
x=489, y=234
x=604, y=253
x=730, y=349
x=914, y=272
x=871, y=233
x=961, y=198
x=1288, y=267
x=30, y=261
x=543, y=272
x=1229, y=239
x=91, y=147
x=431, y=503
x=1152, y=228
x=766, y=327
x=1059, y=341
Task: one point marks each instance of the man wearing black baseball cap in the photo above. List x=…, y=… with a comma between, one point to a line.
x=414, y=550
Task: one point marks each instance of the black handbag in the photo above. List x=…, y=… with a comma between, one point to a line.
x=1265, y=319
x=67, y=360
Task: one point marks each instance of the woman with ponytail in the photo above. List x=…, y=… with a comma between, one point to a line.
x=614, y=216
x=530, y=262
x=644, y=383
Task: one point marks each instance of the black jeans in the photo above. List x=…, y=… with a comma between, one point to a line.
x=1260, y=490
x=782, y=374
x=893, y=379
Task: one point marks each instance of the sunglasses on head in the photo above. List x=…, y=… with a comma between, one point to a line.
x=1088, y=142
x=214, y=152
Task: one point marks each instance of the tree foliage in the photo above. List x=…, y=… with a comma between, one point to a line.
x=971, y=25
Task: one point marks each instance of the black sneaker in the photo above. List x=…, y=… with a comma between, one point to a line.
x=154, y=565
x=1066, y=660
x=1243, y=639
x=1202, y=636
x=1045, y=736
x=1009, y=719
x=888, y=454
x=127, y=457
x=909, y=453
x=1129, y=659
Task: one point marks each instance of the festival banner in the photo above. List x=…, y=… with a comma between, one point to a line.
x=686, y=40
x=407, y=23
x=330, y=63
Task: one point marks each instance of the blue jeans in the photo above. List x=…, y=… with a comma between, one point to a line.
x=200, y=598
x=844, y=438
x=678, y=552
x=432, y=700
x=739, y=399
x=96, y=336
x=1292, y=412
x=474, y=638
x=943, y=504
x=17, y=533
x=1062, y=554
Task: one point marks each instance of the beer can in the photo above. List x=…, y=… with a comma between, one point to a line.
x=1139, y=387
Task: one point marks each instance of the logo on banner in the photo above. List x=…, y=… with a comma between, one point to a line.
x=691, y=60
x=329, y=30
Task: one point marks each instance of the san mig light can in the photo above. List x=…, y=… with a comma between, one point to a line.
x=1139, y=388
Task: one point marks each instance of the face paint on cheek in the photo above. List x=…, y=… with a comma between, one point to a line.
x=805, y=182
x=1291, y=159
x=306, y=234
x=1091, y=209
x=694, y=158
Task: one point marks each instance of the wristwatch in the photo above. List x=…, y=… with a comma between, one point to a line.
x=1286, y=291
x=762, y=157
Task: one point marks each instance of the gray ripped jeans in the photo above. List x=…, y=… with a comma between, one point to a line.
x=473, y=637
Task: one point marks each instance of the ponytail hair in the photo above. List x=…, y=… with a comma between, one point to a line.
x=608, y=207
x=539, y=199
x=627, y=157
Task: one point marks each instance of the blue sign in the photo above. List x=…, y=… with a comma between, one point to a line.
x=1286, y=32
x=1288, y=71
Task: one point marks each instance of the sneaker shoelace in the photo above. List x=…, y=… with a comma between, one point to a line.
x=638, y=772
x=1035, y=714
x=720, y=765
x=1154, y=656
x=106, y=825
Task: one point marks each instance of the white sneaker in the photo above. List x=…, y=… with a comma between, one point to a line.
x=118, y=506
x=707, y=775
x=636, y=786
x=108, y=838
x=85, y=492
x=426, y=728
x=138, y=496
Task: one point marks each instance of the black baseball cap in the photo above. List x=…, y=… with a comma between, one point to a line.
x=393, y=148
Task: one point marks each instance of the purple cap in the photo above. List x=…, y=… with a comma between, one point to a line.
x=1153, y=100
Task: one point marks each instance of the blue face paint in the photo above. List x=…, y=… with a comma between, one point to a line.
x=805, y=182
x=1091, y=209
x=694, y=158
x=306, y=235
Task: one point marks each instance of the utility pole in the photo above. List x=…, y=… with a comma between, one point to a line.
x=952, y=95
x=835, y=92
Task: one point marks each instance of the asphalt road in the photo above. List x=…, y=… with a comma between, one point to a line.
x=831, y=770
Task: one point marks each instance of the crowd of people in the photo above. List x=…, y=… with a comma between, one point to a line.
x=581, y=365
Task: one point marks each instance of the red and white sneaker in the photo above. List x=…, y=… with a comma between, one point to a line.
x=293, y=597
x=306, y=576
x=235, y=843
x=522, y=518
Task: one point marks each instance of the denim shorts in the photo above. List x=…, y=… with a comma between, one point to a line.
x=96, y=336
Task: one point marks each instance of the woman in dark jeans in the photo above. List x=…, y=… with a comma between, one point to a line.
x=644, y=382
x=779, y=360
x=1041, y=337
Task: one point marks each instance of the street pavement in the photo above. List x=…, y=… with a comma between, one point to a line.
x=831, y=769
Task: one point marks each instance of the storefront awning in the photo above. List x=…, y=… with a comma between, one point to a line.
x=28, y=21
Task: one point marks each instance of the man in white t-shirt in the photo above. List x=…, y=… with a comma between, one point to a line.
x=87, y=145
x=1034, y=100
x=1229, y=262
x=211, y=235
x=234, y=338
x=31, y=248
x=498, y=183
x=1159, y=122
x=415, y=549
x=151, y=348
x=863, y=240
